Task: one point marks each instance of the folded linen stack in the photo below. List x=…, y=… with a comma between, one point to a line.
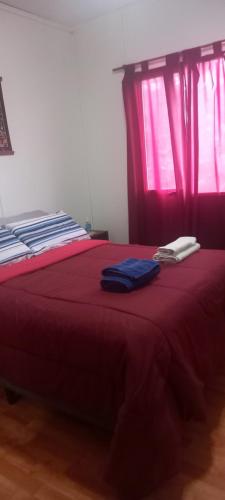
x=178, y=250
x=129, y=275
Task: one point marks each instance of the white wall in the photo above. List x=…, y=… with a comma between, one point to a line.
x=143, y=30
x=35, y=63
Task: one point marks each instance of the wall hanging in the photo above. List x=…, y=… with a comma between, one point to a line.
x=5, y=143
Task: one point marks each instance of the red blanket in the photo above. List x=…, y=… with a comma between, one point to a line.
x=47, y=258
x=136, y=362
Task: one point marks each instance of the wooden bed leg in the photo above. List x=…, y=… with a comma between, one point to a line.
x=11, y=396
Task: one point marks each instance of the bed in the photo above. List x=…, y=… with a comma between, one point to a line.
x=136, y=363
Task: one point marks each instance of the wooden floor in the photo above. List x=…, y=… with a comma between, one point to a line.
x=38, y=446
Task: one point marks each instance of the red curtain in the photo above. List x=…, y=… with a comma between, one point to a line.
x=175, y=118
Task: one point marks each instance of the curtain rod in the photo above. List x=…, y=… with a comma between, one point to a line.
x=122, y=68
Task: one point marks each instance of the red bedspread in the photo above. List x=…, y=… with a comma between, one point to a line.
x=136, y=362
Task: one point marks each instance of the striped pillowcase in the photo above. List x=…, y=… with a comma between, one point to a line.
x=11, y=249
x=48, y=231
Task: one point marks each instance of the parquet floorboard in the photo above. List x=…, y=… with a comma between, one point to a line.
x=38, y=447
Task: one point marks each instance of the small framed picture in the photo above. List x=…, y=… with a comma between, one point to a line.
x=5, y=143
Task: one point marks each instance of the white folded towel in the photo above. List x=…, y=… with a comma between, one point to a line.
x=178, y=245
x=178, y=257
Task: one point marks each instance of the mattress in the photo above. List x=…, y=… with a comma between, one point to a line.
x=136, y=363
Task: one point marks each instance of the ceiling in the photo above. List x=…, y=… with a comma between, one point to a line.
x=70, y=13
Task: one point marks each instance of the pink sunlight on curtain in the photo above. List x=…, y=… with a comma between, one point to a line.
x=179, y=170
x=158, y=148
x=211, y=130
x=211, y=107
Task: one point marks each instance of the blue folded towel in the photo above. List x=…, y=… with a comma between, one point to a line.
x=129, y=274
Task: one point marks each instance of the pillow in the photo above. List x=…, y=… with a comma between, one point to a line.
x=11, y=249
x=48, y=231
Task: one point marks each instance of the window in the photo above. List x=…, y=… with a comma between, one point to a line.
x=158, y=148
x=208, y=139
